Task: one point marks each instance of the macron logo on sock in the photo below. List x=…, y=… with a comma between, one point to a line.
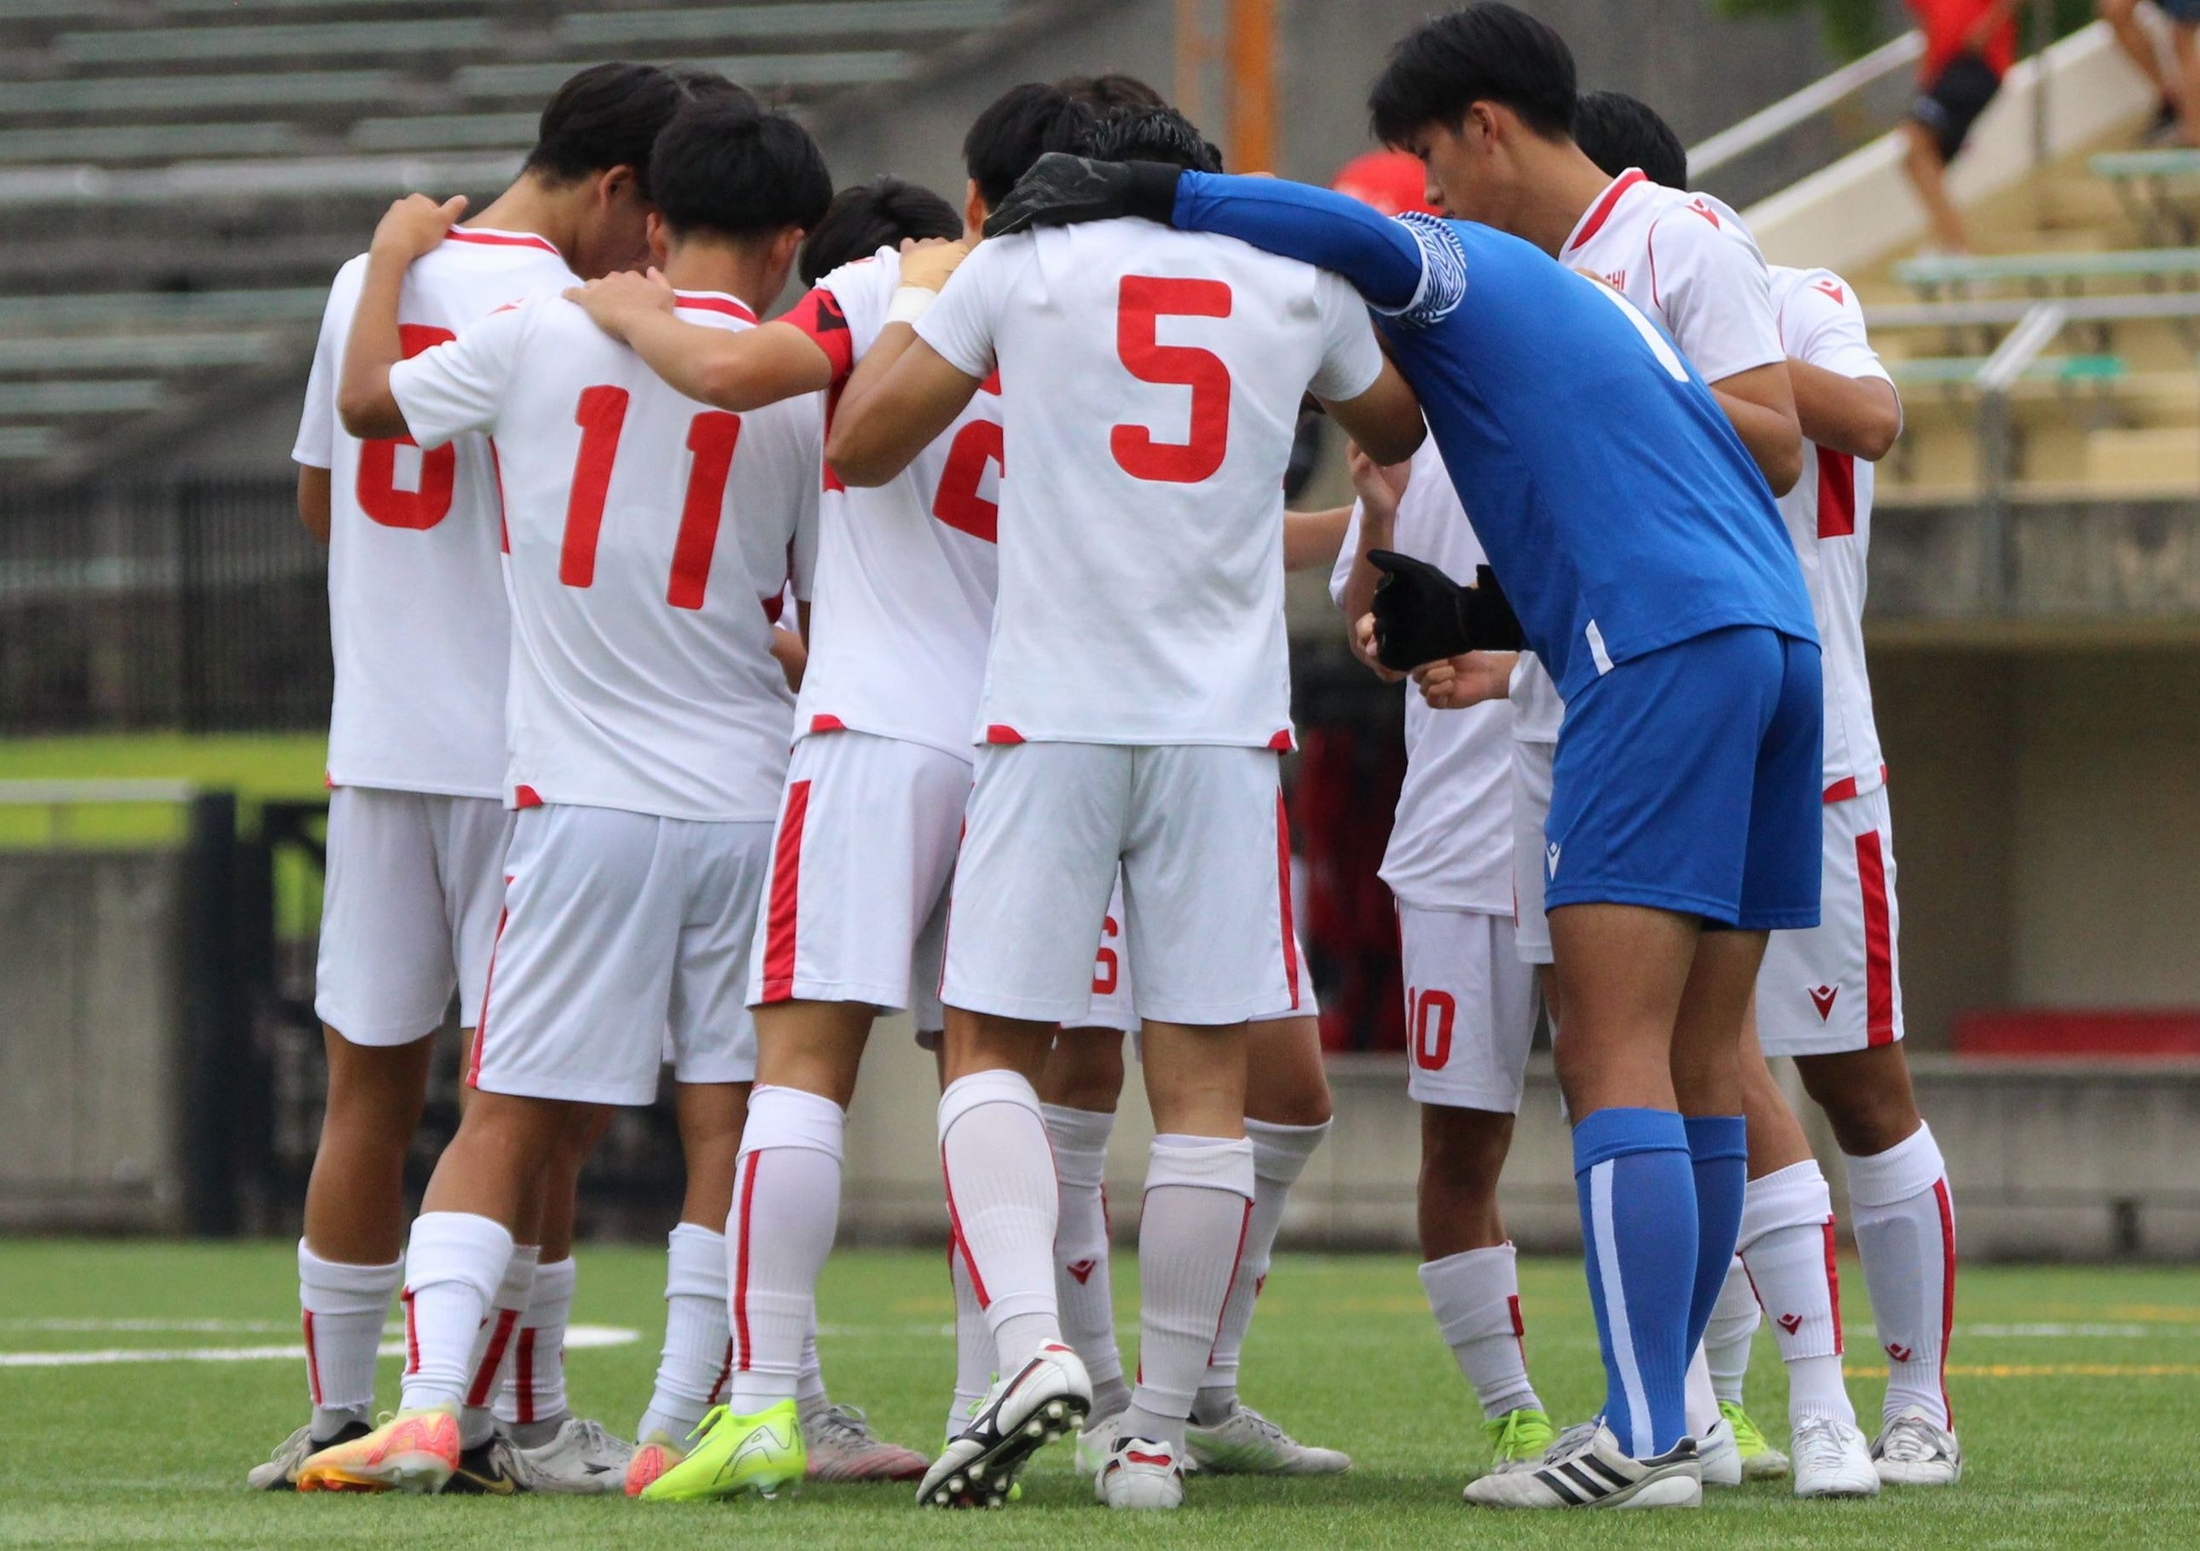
x=1791, y=1323
x=1082, y=1270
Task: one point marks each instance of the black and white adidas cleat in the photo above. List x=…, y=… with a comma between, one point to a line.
x=1587, y=1468
x=1048, y=1398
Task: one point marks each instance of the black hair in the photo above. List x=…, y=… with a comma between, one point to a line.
x=869, y=216
x=1485, y=53
x=1150, y=135
x=1112, y=90
x=1022, y=125
x=605, y=116
x=1617, y=132
x=697, y=84
x=730, y=171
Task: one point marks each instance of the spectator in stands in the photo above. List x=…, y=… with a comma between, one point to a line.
x=1969, y=47
x=2179, y=115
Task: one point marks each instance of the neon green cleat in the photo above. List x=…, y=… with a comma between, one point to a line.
x=736, y=1454
x=1760, y=1460
x=1519, y=1439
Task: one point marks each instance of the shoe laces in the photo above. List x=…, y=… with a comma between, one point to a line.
x=1817, y=1440
x=1248, y=1417
x=1911, y=1440
x=1574, y=1440
x=1748, y=1436
x=1520, y=1433
x=844, y=1425
x=592, y=1435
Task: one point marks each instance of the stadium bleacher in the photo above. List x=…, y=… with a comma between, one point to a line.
x=181, y=177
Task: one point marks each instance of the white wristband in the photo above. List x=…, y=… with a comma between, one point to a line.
x=910, y=303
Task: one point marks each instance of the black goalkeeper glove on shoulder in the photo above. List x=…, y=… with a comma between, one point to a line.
x=1422, y=615
x=1061, y=190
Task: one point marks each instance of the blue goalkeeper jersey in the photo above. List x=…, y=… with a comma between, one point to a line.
x=1620, y=510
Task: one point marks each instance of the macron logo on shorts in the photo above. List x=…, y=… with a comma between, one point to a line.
x=1550, y=860
x=1821, y=997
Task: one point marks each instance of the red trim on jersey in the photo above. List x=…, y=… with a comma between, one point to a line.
x=328, y=782
x=1281, y=742
x=1237, y=1260
x=1601, y=211
x=741, y=1266
x=824, y=723
x=784, y=908
x=412, y=1332
x=1841, y=790
x=1947, y=1290
x=820, y=318
x=1283, y=898
x=992, y=384
x=955, y=1234
x=494, y=239
x=1001, y=732
x=313, y=1362
x=488, y=984
x=728, y=305
x=1836, y=494
x=1871, y=870
x=526, y=797
x=523, y=1374
x=1833, y=1287
x=485, y=1377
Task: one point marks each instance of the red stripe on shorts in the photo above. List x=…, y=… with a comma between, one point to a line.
x=1283, y=898
x=1871, y=871
x=488, y=984
x=786, y=899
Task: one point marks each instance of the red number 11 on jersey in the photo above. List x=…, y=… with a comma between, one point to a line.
x=711, y=437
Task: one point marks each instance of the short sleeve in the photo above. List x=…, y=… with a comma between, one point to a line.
x=1351, y=359
x=1709, y=283
x=821, y=319
x=316, y=444
x=460, y=385
x=960, y=325
x=1340, y=574
x=1823, y=326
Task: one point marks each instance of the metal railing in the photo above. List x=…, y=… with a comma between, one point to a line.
x=1760, y=129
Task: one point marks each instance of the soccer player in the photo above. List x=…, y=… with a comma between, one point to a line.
x=1147, y=534
x=1831, y=997
x=417, y=829
x=1643, y=553
x=649, y=537
x=873, y=807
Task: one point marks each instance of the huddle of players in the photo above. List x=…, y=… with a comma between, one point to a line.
x=658, y=813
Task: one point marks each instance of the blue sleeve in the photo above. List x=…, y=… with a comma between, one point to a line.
x=1380, y=256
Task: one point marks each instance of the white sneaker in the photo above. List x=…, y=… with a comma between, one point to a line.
x=1587, y=1468
x=1831, y=1460
x=842, y=1447
x=1052, y=1395
x=1245, y=1443
x=582, y=1459
x=1913, y=1450
x=1095, y=1442
x=1718, y=1455
x=1140, y=1474
x=279, y=1473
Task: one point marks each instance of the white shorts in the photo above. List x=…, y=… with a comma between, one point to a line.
x=1838, y=985
x=1470, y=1009
x=1114, y=1005
x=1531, y=797
x=861, y=859
x=620, y=928
x=1199, y=833
x=414, y=884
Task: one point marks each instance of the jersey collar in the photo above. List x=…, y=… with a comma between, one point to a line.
x=490, y=237
x=715, y=301
x=1601, y=211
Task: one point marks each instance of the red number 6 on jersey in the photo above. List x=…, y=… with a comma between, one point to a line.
x=1142, y=300
x=379, y=496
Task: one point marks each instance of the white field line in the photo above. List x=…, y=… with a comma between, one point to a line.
x=579, y=1337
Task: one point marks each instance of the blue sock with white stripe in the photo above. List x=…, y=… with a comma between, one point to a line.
x=1638, y=1220
x=1718, y=1150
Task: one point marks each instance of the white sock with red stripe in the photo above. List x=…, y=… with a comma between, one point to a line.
x=495, y=1343
x=1280, y=1155
x=454, y=1264
x=1786, y=1245
x=1083, y=1285
x=344, y=1308
x=786, y=1207
x=1726, y=1340
x=1001, y=1201
x=809, y=1385
x=1191, y=1238
x=973, y=1345
x=1475, y=1296
x=1905, y=1220
x=698, y=1350
x=531, y=1402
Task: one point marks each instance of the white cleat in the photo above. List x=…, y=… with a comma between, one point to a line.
x=842, y=1447
x=280, y=1471
x=1023, y=1414
x=1913, y=1450
x=582, y=1459
x=1587, y=1468
x=1831, y=1460
x=1245, y=1443
x=1141, y=1474
x=1718, y=1455
x=1095, y=1442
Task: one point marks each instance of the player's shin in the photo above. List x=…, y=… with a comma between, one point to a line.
x=1199, y=1205
x=974, y=1361
x=1788, y=1247
x=1475, y=1298
x=1002, y=1205
x=693, y=1366
x=454, y=1264
x=531, y=1402
x=1727, y=1339
x=1718, y=1153
x=1280, y=1155
x=494, y=1343
x=1904, y=1217
x=1638, y=1213
x=1082, y=1284
x=344, y=1308
x=786, y=1208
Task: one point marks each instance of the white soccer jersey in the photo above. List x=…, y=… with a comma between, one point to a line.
x=906, y=572
x=417, y=615
x=1158, y=378
x=650, y=540
x=1451, y=842
x=1829, y=516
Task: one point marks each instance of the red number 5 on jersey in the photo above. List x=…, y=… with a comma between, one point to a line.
x=379, y=496
x=1142, y=300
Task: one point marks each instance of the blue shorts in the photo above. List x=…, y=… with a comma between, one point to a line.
x=1688, y=779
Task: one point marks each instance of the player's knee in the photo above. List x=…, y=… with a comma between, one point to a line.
x=1866, y=1097
x=1084, y=1071
x=1463, y=1151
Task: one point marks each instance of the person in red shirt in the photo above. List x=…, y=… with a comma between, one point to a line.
x=1969, y=47
x=2179, y=115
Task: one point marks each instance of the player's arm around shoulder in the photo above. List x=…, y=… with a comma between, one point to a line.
x=911, y=384
x=1843, y=395
x=737, y=370
x=414, y=225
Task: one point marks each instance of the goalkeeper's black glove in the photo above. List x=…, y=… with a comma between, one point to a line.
x=1061, y=190
x=1422, y=615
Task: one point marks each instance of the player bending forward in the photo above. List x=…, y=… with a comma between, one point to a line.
x=649, y=538
x=417, y=827
x=1165, y=372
